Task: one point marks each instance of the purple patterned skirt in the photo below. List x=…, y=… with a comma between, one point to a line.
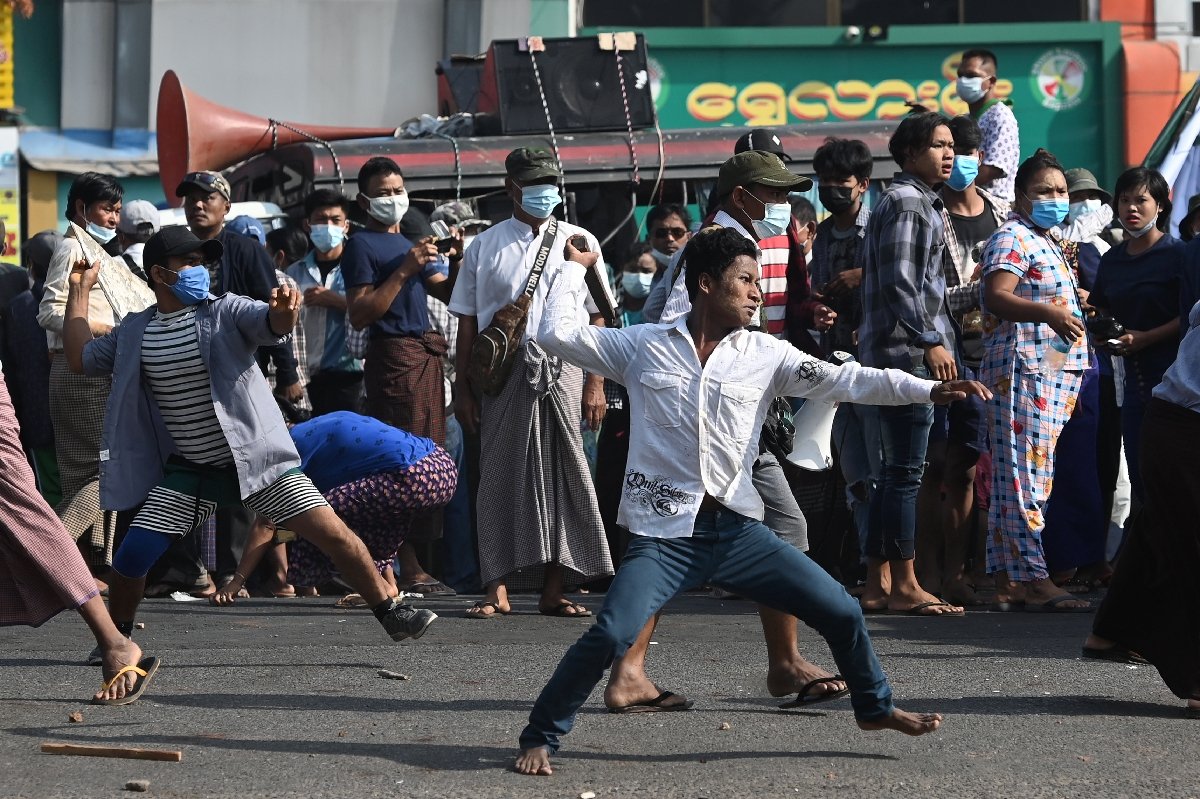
x=379, y=508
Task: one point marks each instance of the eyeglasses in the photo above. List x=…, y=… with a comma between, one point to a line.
x=671, y=232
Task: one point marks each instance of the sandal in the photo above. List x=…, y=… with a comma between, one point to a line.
x=145, y=671
x=479, y=614
x=805, y=697
x=566, y=610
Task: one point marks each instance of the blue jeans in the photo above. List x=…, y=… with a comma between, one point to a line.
x=460, y=568
x=904, y=439
x=739, y=555
x=856, y=439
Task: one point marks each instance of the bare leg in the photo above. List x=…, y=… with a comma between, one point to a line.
x=535, y=762
x=907, y=593
x=787, y=670
x=905, y=722
x=879, y=585
x=552, y=593
x=323, y=529
x=276, y=558
x=627, y=682
x=124, y=597
x=411, y=570
x=959, y=484
x=118, y=650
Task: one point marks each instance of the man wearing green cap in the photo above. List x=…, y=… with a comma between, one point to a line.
x=539, y=524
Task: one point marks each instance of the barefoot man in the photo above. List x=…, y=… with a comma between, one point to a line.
x=699, y=390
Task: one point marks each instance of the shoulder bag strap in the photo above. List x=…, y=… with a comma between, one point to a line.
x=539, y=262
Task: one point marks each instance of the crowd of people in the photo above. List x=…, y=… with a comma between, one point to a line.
x=221, y=408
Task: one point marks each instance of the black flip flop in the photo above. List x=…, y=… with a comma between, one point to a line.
x=657, y=705
x=1056, y=605
x=560, y=611
x=804, y=698
x=916, y=610
x=1116, y=654
x=482, y=604
x=145, y=670
x=1190, y=712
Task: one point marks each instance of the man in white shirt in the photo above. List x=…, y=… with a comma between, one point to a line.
x=538, y=521
x=699, y=390
x=748, y=184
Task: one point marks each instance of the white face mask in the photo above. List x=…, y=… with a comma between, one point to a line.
x=1083, y=208
x=1142, y=231
x=637, y=284
x=663, y=258
x=971, y=90
x=388, y=210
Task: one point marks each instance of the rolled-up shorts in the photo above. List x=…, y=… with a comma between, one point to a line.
x=964, y=422
x=189, y=493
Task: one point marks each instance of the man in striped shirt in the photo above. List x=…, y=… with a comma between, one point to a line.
x=192, y=426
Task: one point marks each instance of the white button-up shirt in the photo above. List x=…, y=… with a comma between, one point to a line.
x=694, y=429
x=495, y=269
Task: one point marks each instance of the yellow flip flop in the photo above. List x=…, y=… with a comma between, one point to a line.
x=145, y=671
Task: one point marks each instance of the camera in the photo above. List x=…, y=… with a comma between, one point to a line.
x=1105, y=328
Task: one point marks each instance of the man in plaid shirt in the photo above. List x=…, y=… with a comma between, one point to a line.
x=906, y=325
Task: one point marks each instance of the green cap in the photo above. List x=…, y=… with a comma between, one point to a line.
x=1080, y=179
x=525, y=164
x=755, y=166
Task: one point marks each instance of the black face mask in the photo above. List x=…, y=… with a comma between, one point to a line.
x=836, y=199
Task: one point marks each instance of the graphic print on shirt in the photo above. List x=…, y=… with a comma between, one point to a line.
x=656, y=493
x=813, y=371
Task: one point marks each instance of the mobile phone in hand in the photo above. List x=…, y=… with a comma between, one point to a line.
x=441, y=235
x=580, y=243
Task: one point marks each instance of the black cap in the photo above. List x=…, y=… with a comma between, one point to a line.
x=1193, y=207
x=755, y=166
x=178, y=240
x=525, y=164
x=764, y=140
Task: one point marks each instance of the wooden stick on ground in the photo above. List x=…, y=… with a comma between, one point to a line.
x=171, y=756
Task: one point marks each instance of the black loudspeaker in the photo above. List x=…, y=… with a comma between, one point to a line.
x=458, y=84
x=580, y=80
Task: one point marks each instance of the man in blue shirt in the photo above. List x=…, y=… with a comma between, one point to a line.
x=387, y=278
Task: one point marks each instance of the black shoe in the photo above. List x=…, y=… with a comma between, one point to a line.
x=405, y=621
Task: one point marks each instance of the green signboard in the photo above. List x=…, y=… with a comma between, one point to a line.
x=1062, y=80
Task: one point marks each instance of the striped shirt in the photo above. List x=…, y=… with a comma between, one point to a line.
x=179, y=382
x=773, y=267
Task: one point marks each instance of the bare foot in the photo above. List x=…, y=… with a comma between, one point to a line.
x=115, y=658
x=872, y=602
x=960, y=592
x=909, y=600
x=624, y=690
x=488, y=608
x=788, y=678
x=534, y=761
x=905, y=722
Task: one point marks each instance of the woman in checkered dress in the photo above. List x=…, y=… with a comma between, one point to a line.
x=1029, y=298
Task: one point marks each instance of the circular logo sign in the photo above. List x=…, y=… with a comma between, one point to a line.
x=660, y=86
x=1059, y=79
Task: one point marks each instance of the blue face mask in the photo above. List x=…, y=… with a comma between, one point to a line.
x=192, y=284
x=101, y=234
x=775, y=221
x=540, y=200
x=327, y=237
x=966, y=168
x=1048, y=213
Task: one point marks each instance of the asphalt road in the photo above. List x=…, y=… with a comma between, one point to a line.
x=282, y=698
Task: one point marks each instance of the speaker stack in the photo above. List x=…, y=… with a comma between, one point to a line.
x=581, y=85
